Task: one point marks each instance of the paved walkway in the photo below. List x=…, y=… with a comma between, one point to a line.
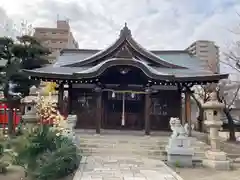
x=132, y=156
x=208, y=174
x=124, y=168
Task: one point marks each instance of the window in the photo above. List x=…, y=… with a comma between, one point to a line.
x=63, y=32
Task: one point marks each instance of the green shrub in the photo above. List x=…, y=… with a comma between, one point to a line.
x=33, y=145
x=3, y=165
x=44, y=155
x=56, y=164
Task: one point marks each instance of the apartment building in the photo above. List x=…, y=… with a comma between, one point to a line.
x=56, y=38
x=206, y=51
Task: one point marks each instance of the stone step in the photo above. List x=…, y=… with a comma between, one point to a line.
x=146, y=146
x=121, y=136
x=148, y=140
x=127, y=137
x=101, y=149
x=96, y=151
x=136, y=142
x=123, y=146
x=122, y=141
x=132, y=151
x=125, y=140
x=133, y=146
x=149, y=155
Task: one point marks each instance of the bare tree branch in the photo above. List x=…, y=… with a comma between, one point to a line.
x=234, y=98
x=230, y=65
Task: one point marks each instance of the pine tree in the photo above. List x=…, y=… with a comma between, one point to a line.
x=25, y=53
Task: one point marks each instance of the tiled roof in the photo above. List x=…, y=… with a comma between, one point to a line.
x=87, y=63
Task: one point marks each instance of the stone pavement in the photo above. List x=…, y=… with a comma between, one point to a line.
x=231, y=148
x=202, y=173
x=124, y=168
x=132, y=156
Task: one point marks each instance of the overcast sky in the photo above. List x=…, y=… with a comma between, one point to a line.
x=156, y=24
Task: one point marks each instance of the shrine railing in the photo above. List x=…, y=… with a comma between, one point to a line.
x=4, y=117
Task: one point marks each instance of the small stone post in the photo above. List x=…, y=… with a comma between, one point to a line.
x=71, y=120
x=215, y=158
x=71, y=123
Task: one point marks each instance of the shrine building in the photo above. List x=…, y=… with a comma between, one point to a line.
x=125, y=86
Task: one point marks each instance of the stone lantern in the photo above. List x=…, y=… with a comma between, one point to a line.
x=30, y=111
x=215, y=158
x=29, y=102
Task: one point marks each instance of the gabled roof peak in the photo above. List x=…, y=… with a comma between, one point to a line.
x=125, y=31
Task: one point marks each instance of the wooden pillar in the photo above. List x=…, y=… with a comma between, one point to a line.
x=70, y=94
x=188, y=110
x=98, y=119
x=60, y=97
x=180, y=106
x=182, y=109
x=180, y=113
x=147, y=113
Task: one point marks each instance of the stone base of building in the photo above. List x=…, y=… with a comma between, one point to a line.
x=217, y=160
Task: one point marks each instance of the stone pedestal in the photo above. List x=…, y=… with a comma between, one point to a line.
x=215, y=158
x=29, y=120
x=179, y=151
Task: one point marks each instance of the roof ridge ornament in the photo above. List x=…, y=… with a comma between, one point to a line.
x=125, y=31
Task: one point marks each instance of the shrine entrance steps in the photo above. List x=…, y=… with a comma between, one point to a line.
x=131, y=143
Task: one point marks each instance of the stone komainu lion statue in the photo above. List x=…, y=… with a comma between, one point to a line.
x=176, y=127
